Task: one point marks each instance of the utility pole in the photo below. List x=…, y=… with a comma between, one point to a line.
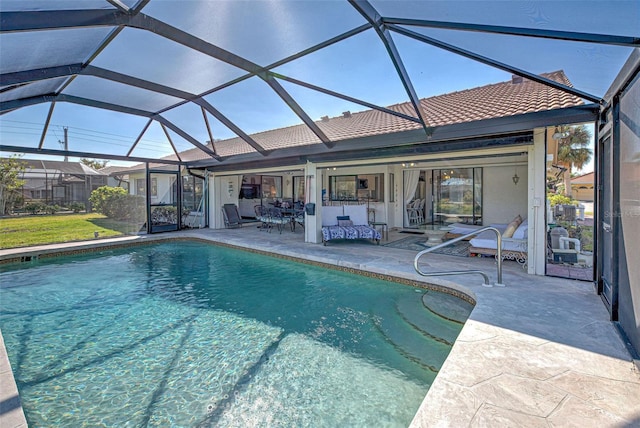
x=65, y=143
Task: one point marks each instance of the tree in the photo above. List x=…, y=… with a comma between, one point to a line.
x=10, y=183
x=94, y=163
x=573, y=152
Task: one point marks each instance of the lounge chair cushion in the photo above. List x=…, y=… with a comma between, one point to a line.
x=511, y=227
x=349, y=232
x=521, y=231
x=330, y=215
x=357, y=214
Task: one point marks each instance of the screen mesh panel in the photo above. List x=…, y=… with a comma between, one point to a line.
x=119, y=94
x=303, y=40
x=48, y=48
x=33, y=89
x=157, y=59
x=271, y=30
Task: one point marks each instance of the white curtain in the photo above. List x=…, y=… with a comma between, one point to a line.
x=278, y=181
x=411, y=178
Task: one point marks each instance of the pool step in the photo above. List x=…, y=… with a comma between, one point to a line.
x=412, y=310
x=410, y=342
x=447, y=306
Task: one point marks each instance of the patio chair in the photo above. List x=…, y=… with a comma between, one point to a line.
x=231, y=216
x=262, y=215
x=298, y=217
x=413, y=212
x=420, y=211
x=276, y=218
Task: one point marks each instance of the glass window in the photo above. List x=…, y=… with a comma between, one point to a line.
x=357, y=187
x=250, y=188
x=191, y=192
x=342, y=187
x=298, y=189
x=370, y=187
x=271, y=187
x=141, y=186
x=154, y=186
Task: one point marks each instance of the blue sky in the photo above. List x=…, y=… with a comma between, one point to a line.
x=357, y=67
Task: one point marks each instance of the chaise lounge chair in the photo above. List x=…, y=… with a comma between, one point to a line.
x=347, y=222
x=231, y=216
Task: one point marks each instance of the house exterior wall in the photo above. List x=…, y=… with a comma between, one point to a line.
x=133, y=178
x=225, y=190
x=113, y=182
x=502, y=200
x=536, y=201
x=583, y=192
x=380, y=208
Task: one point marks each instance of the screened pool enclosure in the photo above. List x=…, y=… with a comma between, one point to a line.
x=199, y=85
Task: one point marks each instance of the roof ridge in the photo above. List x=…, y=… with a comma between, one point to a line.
x=404, y=103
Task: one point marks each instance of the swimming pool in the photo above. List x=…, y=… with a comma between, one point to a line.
x=190, y=334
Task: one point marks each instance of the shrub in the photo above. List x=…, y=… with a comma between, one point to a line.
x=52, y=209
x=116, y=203
x=102, y=195
x=76, y=207
x=558, y=199
x=34, y=207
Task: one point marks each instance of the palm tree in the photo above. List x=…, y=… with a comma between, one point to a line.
x=573, y=152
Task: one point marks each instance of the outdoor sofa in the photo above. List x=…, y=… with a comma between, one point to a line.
x=347, y=222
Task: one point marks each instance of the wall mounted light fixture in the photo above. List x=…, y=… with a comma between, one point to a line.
x=230, y=188
x=515, y=178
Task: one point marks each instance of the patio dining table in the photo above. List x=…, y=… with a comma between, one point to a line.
x=291, y=213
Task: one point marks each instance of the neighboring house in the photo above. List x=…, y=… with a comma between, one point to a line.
x=582, y=187
x=117, y=176
x=61, y=183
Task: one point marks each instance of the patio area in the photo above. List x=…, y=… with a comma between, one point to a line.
x=538, y=352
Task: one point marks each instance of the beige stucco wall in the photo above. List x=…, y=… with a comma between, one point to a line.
x=503, y=200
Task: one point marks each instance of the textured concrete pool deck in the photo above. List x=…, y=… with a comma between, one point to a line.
x=538, y=352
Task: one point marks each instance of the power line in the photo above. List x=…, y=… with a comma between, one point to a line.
x=73, y=133
x=52, y=125
x=97, y=135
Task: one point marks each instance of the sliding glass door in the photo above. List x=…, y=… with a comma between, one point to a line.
x=457, y=195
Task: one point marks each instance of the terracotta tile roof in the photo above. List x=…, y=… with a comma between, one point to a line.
x=517, y=96
x=587, y=178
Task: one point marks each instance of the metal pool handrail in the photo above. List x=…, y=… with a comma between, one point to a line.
x=464, y=272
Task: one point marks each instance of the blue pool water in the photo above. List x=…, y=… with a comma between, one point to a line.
x=190, y=334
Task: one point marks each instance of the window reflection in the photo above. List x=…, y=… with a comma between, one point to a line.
x=365, y=187
x=458, y=195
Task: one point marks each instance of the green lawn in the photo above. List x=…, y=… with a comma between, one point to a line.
x=50, y=229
